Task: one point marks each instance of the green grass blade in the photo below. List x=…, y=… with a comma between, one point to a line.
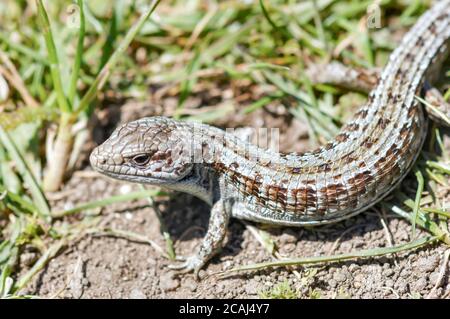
x=108, y=48
x=106, y=201
x=267, y=16
x=5, y=281
x=78, y=56
x=105, y=72
x=420, y=186
x=437, y=211
x=262, y=102
x=439, y=166
x=423, y=220
x=26, y=51
x=189, y=82
x=53, y=57
x=17, y=201
x=27, y=175
x=336, y=258
x=39, y=265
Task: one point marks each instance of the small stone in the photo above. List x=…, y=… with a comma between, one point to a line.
x=68, y=205
x=85, y=282
x=137, y=294
x=190, y=284
x=140, y=220
x=434, y=277
x=401, y=286
x=428, y=264
x=141, y=55
x=220, y=288
x=389, y=283
x=346, y=246
x=353, y=267
x=332, y=283
x=388, y=272
x=227, y=264
x=289, y=247
x=339, y=277
x=287, y=238
x=125, y=189
x=168, y=283
x=358, y=242
x=28, y=258
x=128, y=216
x=228, y=94
x=419, y=284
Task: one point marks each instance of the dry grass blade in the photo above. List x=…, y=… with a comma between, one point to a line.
x=335, y=258
x=13, y=76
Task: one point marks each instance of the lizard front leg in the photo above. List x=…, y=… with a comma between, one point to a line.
x=212, y=242
x=364, y=80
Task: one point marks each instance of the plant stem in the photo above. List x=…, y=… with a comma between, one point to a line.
x=60, y=154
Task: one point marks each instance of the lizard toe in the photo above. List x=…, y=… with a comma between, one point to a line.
x=191, y=264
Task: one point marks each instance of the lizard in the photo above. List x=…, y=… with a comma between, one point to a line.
x=365, y=161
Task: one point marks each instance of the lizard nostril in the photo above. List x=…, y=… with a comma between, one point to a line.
x=96, y=158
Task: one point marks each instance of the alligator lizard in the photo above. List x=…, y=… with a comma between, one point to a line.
x=366, y=160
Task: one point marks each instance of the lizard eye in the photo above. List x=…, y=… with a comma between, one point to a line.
x=141, y=159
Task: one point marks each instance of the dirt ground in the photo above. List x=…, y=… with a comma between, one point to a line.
x=111, y=267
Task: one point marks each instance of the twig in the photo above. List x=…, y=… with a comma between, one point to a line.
x=442, y=273
x=14, y=78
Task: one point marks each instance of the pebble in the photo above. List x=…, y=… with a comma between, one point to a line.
x=220, y=287
x=287, y=238
x=434, y=277
x=128, y=216
x=401, y=286
x=419, y=284
x=168, y=283
x=353, y=267
x=428, y=264
x=339, y=277
x=125, y=189
x=388, y=272
x=332, y=283
x=289, y=247
x=190, y=284
x=136, y=293
x=28, y=258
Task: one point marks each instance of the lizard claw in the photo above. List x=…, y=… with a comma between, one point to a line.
x=191, y=264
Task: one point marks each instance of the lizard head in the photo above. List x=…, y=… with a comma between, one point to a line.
x=151, y=150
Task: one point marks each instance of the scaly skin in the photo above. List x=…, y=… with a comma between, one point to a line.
x=366, y=160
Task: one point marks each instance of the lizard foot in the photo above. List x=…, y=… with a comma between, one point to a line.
x=191, y=264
